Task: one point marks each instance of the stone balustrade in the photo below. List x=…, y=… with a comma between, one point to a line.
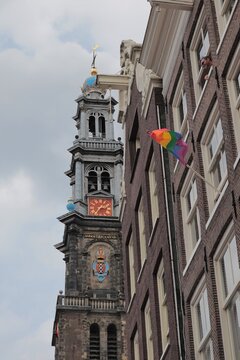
x=110, y=145
x=89, y=303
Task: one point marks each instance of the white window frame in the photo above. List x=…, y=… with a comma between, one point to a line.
x=223, y=298
x=132, y=274
x=153, y=188
x=163, y=308
x=136, y=349
x=197, y=70
x=180, y=126
x=209, y=163
x=148, y=330
x=234, y=96
x=142, y=235
x=223, y=18
x=187, y=216
x=200, y=344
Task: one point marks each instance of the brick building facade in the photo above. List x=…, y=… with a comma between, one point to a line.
x=180, y=233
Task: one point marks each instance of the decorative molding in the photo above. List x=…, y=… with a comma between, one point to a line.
x=146, y=81
x=185, y=5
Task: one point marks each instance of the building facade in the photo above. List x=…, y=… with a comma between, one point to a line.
x=181, y=233
x=89, y=320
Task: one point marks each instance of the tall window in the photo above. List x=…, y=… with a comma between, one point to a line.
x=112, y=342
x=213, y=147
x=200, y=47
x=224, y=10
x=94, y=342
x=228, y=282
x=190, y=215
x=148, y=331
x=153, y=187
x=135, y=346
x=96, y=125
x=142, y=235
x=233, y=82
x=98, y=179
x=132, y=276
x=201, y=324
x=180, y=107
x=163, y=310
x=134, y=143
x=101, y=126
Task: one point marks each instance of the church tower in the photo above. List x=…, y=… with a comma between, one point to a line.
x=89, y=320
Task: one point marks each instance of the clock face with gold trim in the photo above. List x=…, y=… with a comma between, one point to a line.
x=99, y=207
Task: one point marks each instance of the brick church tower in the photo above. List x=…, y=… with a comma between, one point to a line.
x=89, y=320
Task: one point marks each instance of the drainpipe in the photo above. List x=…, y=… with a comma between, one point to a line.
x=172, y=243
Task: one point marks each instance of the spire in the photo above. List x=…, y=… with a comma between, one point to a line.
x=93, y=67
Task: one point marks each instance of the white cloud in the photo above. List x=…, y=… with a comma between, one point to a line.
x=16, y=192
x=30, y=343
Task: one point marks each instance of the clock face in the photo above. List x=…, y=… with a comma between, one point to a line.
x=99, y=207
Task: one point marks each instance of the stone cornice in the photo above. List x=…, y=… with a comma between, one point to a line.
x=163, y=39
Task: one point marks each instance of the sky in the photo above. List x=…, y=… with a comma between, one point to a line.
x=45, y=56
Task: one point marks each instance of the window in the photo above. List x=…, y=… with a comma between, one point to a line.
x=96, y=127
x=199, y=48
x=190, y=215
x=94, y=342
x=135, y=346
x=142, y=235
x=153, y=187
x=163, y=310
x=112, y=342
x=180, y=108
x=201, y=324
x=148, y=330
x=215, y=165
x=224, y=10
x=132, y=275
x=233, y=83
x=101, y=126
x=228, y=287
x=134, y=143
x=98, y=178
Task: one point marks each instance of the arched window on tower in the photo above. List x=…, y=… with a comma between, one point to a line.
x=105, y=181
x=101, y=125
x=92, y=126
x=111, y=342
x=92, y=181
x=94, y=342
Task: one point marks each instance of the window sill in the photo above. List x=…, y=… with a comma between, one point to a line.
x=236, y=161
x=153, y=231
x=165, y=351
x=141, y=271
x=131, y=301
x=191, y=257
x=216, y=205
x=229, y=298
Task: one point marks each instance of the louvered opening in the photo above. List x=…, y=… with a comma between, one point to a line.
x=94, y=342
x=112, y=342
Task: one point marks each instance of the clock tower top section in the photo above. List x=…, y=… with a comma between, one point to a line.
x=97, y=158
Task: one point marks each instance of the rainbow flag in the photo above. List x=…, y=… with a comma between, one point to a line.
x=172, y=141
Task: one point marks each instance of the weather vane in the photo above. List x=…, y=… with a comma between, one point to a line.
x=94, y=55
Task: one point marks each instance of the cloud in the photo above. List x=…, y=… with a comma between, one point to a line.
x=34, y=344
x=45, y=56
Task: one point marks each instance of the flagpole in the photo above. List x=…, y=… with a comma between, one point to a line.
x=110, y=106
x=201, y=177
